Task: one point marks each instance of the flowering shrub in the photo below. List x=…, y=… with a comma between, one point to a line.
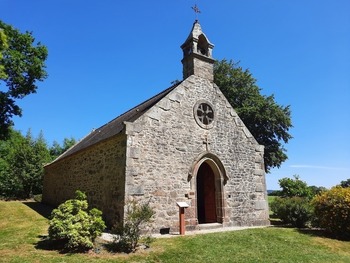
x=332, y=211
x=74, y=225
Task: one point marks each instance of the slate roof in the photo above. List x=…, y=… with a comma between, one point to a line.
x=116, y=125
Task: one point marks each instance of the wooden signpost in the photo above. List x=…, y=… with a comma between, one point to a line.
x=182, y=206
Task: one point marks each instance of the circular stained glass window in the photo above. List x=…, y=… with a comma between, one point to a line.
x=204, y=114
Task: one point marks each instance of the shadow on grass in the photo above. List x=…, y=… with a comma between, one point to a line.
x=315, y=232
x=40, y=208
x=277, y=222
x=113, y=247
x=322, y=233
x=56, y=245
x=46, y=244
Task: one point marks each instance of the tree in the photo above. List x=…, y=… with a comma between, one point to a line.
x=21, y=165
x=268, y=122
x=9, y=185
x=345, y=183
x=22, y=63
x=3, y=46
x=56, y=149
x=315, y=190
x=294, y=187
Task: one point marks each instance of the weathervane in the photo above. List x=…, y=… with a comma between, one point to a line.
x=196, y=10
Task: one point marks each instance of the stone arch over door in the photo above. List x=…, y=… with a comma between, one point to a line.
x=207, y=178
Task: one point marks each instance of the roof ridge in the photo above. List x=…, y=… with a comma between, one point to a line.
x=144, y=102
x=116, y=125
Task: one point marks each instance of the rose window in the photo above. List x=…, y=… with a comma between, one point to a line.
x=205, y=113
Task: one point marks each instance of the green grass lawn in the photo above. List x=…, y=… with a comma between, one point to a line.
x=21, y=228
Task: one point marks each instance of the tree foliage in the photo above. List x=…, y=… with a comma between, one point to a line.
x=345, y=183
x=315, y=190
x=57, y=149
x=268, y=122
x=21, y=165
x=22, y=63
x=295, y=187
x=3, y=46
x=74, y=225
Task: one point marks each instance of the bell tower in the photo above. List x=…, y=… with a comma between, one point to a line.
x=197, y=54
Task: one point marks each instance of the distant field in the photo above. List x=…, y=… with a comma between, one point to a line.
x=21, y=228
x=270, y=191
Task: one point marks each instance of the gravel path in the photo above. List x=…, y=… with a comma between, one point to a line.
x=109, y=237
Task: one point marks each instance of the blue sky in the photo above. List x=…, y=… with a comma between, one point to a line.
x=107, y=56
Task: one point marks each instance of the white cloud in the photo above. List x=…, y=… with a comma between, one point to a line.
x=319, y=167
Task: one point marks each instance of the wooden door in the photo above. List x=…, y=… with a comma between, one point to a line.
x=206, y=201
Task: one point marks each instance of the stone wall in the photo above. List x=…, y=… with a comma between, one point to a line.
x=164, y=143
x=99, y=171
x=157, y=158
x=198, y=65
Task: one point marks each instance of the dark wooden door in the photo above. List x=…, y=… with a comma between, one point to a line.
x=206, y=203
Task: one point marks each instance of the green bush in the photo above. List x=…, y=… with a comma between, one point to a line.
x=296, y=211
x=294, y=187
x=129, y=232
x=74, y=225
x=332, y=211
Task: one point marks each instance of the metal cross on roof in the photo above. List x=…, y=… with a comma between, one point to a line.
x=196, y=10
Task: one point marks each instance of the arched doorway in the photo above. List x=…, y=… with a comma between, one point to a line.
x=207, y=177
x=206, y=194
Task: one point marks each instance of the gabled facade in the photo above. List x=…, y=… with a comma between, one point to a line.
x=186, y=144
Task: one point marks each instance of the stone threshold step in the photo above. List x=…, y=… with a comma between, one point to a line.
x=209, y=226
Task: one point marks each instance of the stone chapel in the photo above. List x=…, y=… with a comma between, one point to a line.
x=185, y=144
